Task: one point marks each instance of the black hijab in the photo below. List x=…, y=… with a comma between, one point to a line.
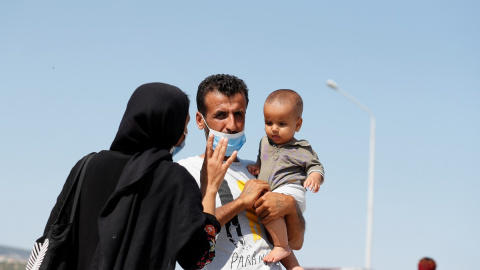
x=153, y=123
x=152, y=192
x=155, y=117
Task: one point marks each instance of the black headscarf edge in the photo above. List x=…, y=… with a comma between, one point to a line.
x=155, y=117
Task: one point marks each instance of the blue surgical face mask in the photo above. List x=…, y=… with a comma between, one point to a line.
x=176, y=149
x=235, y=141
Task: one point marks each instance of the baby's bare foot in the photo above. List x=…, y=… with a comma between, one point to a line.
x=277, y=254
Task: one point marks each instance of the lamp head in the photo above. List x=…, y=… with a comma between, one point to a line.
x=332, y=84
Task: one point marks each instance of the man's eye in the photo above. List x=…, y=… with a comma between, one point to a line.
x=220, y=115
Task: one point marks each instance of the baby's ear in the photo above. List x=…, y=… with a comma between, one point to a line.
x=299, y=124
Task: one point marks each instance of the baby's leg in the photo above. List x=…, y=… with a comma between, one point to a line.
x=278, y=231
x=291, y=263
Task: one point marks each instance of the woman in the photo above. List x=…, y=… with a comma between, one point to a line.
x=138, y=209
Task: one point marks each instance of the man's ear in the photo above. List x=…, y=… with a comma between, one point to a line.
x=299, y=124
x=199, y=120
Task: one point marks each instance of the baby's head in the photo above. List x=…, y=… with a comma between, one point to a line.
x=283, y=115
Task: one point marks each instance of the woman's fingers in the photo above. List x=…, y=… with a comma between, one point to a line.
x=214, y=160
x=209, y=150
x=219, y=152
x=221, y=149
x=230, y=160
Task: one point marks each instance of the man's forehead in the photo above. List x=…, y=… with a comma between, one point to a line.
x=218, y=102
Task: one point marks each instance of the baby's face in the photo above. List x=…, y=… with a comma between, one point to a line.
x=281, y=122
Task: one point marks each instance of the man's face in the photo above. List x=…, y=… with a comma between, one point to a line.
x=224, y=114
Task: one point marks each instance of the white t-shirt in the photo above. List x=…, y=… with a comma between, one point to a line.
x=241, y=243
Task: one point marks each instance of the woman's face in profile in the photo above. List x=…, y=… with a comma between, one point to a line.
x=185, y=131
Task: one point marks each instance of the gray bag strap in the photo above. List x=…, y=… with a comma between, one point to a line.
x=79, y=185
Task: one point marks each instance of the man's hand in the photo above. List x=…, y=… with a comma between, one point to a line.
x=254, y=188
x=274, y=205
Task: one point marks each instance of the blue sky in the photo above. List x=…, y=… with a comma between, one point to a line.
x=68, y=69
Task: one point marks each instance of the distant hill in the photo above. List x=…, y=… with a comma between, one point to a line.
x=14, y=253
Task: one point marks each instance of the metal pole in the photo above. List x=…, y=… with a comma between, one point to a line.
x=371, y=172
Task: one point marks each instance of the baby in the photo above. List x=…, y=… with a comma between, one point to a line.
x=290, y=166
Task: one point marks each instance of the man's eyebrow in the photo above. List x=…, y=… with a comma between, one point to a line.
x=221, y=111
x=218, y=112
x=239, y=111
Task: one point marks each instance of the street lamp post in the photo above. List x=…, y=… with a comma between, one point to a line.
x=371, y=171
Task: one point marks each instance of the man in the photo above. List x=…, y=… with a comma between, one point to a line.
x=242, y=243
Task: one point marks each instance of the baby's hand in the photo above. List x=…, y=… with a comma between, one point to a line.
x=313, y=182
x=253, y=169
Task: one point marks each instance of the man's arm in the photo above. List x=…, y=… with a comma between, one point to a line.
x=275, y=205
x=253, y=189
x=226, y=212
x=295, y=228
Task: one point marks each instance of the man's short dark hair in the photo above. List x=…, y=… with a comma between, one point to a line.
x=225, y=84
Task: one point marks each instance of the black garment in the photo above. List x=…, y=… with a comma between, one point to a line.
x=138, y=209
x=155, y=118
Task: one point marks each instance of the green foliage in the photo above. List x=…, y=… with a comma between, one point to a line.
x=12, y=266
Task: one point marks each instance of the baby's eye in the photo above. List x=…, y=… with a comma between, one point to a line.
x=283, y=124
x=268, y=123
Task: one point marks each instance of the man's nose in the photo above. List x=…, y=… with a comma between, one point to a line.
x=231, y=126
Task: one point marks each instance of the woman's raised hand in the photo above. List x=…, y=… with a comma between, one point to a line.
x=213, y=171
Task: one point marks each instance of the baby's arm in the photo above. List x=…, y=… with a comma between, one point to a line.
x=315, y=172
x=313, y=181
x=254, y=169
